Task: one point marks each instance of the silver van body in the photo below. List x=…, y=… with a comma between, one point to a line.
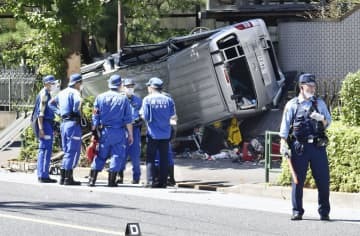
x=231, y=71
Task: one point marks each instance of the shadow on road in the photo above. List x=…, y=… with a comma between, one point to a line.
x=23, y=205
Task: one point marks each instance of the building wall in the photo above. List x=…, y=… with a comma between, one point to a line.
x=329, y=49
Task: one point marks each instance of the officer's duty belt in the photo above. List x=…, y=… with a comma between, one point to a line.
x=71, y=118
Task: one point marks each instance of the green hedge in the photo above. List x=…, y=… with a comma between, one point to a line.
x=350, y=99
x=344, y=160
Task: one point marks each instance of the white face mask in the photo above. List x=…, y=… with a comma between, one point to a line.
x=54, y=89
x=308, y=95
x=81, y=87
x=129, y=91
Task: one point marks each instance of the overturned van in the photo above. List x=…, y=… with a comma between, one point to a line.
x=214, y=75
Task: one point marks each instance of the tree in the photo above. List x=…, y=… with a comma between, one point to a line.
x=335, y=9
x=49, y=22
x=142, y=20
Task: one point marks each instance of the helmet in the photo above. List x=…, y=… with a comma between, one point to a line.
x=128, y=82
x=75, y=78
x=114, y=81
x=155, y=82
x=49, y=79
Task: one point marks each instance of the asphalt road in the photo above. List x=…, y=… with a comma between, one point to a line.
x=30, y=208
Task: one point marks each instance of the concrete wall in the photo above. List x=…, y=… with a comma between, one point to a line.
x=6, y=118
x=329, y=49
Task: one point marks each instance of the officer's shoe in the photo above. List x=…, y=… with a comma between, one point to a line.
x=135, y=181
x=46, y=180
x=325, y=217
x=112, y=179
x=155, y=184
x=69, y=178
x=158, y=185
x=92, y=178
x=62, y=176
x=296, y=216
x=171, y=180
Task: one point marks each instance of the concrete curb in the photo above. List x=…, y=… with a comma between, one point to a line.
x=340, y=199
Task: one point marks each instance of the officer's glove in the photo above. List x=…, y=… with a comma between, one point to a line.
x=317, y=116
x=284, y=148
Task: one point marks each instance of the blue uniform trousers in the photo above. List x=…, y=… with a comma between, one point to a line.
x=170, y=157
x=111, y=144
x=71, y=143
x=162, y=146
x=134, y=152
x=317, y=158
x=45, y=150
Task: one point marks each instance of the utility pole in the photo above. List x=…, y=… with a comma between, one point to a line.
x=120, y=28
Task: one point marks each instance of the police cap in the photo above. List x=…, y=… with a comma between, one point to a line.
x=307, y=79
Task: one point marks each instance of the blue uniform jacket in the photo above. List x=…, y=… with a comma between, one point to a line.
x=111, y=109
x=67, y=102
x=290, y=109
x=157, y=109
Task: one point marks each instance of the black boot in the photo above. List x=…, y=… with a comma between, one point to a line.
x=112, y=179
x=62, y=176
x=121, y=178
x=171, y=180
x=92, y=177
x=148, y=174
x=69, y=178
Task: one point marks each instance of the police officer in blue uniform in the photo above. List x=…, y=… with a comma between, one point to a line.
x=157, y=110
x=112, y=117
x=133, y=150
x=68, y=105
x=44, y=117
x=303, y=138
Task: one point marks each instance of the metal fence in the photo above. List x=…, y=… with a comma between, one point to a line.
x=16, y=88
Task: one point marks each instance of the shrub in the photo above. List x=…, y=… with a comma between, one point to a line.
x=344, y=160
x=350, y=99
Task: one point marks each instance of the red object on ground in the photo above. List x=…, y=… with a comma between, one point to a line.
x=275, y=149
x=91, y=151
x=246, y=155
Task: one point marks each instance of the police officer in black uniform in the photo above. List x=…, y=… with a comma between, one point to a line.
x=303, y=139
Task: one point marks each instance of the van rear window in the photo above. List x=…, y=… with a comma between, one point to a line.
x=228, y=41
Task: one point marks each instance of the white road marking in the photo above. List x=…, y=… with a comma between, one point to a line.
x=47, y=222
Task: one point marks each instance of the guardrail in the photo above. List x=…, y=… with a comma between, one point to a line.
x=268, y=152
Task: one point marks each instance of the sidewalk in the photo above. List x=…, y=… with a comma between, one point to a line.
x=246, y=178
